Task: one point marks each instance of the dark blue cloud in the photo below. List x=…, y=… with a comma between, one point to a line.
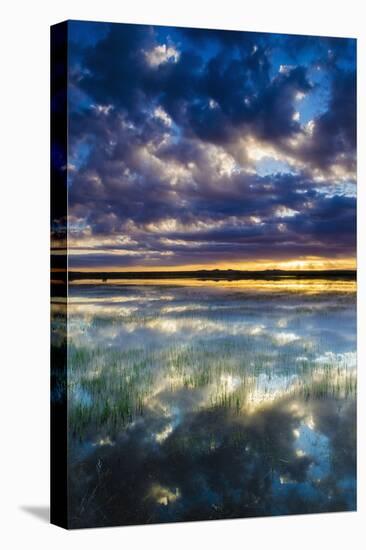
x=159, y=123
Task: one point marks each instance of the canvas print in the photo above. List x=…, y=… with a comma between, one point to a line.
x=203, y=274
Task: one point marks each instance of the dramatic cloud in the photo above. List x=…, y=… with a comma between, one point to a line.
x=191, y=147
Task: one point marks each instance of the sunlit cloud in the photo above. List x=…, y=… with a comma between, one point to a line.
x=162, y=54
x=172, y=170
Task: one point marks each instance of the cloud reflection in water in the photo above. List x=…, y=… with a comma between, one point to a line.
x=225, y=403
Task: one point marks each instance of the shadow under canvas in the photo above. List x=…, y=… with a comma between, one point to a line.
x=40, y=512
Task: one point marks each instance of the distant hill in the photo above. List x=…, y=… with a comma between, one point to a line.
x=217, y=274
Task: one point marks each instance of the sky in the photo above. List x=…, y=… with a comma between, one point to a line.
x=192, y=148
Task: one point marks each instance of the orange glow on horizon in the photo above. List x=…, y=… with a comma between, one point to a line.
x=303, y=263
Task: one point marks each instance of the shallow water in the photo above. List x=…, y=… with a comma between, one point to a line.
x=203, y=400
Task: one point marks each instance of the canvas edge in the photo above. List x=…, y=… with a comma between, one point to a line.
x=58, y=275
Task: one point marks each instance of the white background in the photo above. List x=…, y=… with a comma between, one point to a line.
x=24, y=308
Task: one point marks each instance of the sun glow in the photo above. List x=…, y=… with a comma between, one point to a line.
x=302, y=263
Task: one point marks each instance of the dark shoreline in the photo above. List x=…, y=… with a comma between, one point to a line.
x=227, y=275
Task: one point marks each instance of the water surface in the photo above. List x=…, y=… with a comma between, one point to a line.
x=204, y=400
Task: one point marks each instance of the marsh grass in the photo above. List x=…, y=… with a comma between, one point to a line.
x=109, y=387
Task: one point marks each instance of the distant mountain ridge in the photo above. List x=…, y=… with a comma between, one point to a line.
x=217, y=274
